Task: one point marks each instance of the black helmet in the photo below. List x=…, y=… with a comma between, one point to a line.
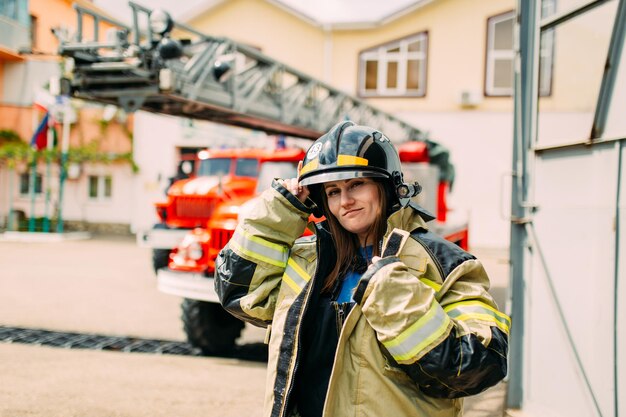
x=352, y=151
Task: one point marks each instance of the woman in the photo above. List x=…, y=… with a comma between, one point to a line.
x=373, y=315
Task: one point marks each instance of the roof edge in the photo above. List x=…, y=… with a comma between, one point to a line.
x=406, y=10
x=208, y=5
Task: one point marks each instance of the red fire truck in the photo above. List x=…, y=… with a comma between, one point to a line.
x=220, y=175
x=192, y=263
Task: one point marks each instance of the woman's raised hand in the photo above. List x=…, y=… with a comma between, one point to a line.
x=292, y=184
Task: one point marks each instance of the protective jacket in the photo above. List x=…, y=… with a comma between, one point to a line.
x=424, y=331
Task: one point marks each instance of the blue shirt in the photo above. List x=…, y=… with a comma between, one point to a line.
x=352, y=278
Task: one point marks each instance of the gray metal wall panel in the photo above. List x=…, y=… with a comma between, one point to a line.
x=621, y=287
x=575, y=190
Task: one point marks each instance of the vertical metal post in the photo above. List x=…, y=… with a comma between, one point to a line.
x=11, y=173
x=616, y=277
x=136, y=31
x=79, y=25
x=525, y=128
x=65, y=145
x=32, y=183
x=48, y=179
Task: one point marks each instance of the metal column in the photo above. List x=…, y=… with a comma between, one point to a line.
x=525, y=129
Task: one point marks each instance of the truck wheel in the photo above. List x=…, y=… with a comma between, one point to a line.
x=160, y=258
x=209, y=327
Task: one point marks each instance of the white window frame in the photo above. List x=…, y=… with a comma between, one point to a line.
x=546, y=54
x=26, y=175
x=546, y=51
x=100, y=187
x=381, y=55
x=493, y=55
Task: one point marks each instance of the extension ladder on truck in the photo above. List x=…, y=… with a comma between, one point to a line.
x=206, y=77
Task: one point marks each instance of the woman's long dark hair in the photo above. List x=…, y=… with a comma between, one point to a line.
x=347, y=243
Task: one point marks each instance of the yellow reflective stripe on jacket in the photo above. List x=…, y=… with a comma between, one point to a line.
x=258, y=248
x=431, y=284
x=411, y=342
x=295, y=276
x=477, y=310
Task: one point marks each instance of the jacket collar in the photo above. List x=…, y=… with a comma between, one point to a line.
x=409, y=218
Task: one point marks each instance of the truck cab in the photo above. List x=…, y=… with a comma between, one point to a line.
x=219, y=176
x=189, y=273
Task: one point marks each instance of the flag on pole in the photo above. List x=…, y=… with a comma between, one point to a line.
x=40, y=137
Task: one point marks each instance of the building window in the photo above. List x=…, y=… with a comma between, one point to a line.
x=9, y=8
x=501, y=53
x=396, y=68
x=100, y=187
x=25, y=184
x=15, y=10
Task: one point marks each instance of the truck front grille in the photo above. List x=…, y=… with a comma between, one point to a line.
x=196, y=208
x=220, y=237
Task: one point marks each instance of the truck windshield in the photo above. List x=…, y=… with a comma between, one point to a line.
x=271, y=170
x=214, y=167
x=247, y=167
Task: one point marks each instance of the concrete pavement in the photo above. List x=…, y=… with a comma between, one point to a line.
x=105, y=285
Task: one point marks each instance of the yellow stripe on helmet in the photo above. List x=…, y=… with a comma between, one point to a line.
x=351, y=160
x=310, y=166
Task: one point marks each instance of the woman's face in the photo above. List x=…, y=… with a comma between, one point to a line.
x=355, y=203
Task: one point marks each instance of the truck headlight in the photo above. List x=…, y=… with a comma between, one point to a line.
x=195, y=251
x=190, y=248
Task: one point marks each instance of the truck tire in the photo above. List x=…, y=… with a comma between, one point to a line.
x=160, y=258
x=209, y=327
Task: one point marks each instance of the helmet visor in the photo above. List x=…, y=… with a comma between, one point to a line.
x=341, y=175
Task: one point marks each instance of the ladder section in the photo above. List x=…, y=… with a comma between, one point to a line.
x=183, y=72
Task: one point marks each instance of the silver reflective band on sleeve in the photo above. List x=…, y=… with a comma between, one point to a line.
x=477, y=310
x=259, y=248
x=411, y=343
x=295, y=276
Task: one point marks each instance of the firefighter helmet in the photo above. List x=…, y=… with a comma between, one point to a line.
x=352, y=151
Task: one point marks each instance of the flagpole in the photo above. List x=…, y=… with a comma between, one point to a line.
x=31, y=190
x=32, y=175
x=49, y=147
x=11, y=173
x=65, y=144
